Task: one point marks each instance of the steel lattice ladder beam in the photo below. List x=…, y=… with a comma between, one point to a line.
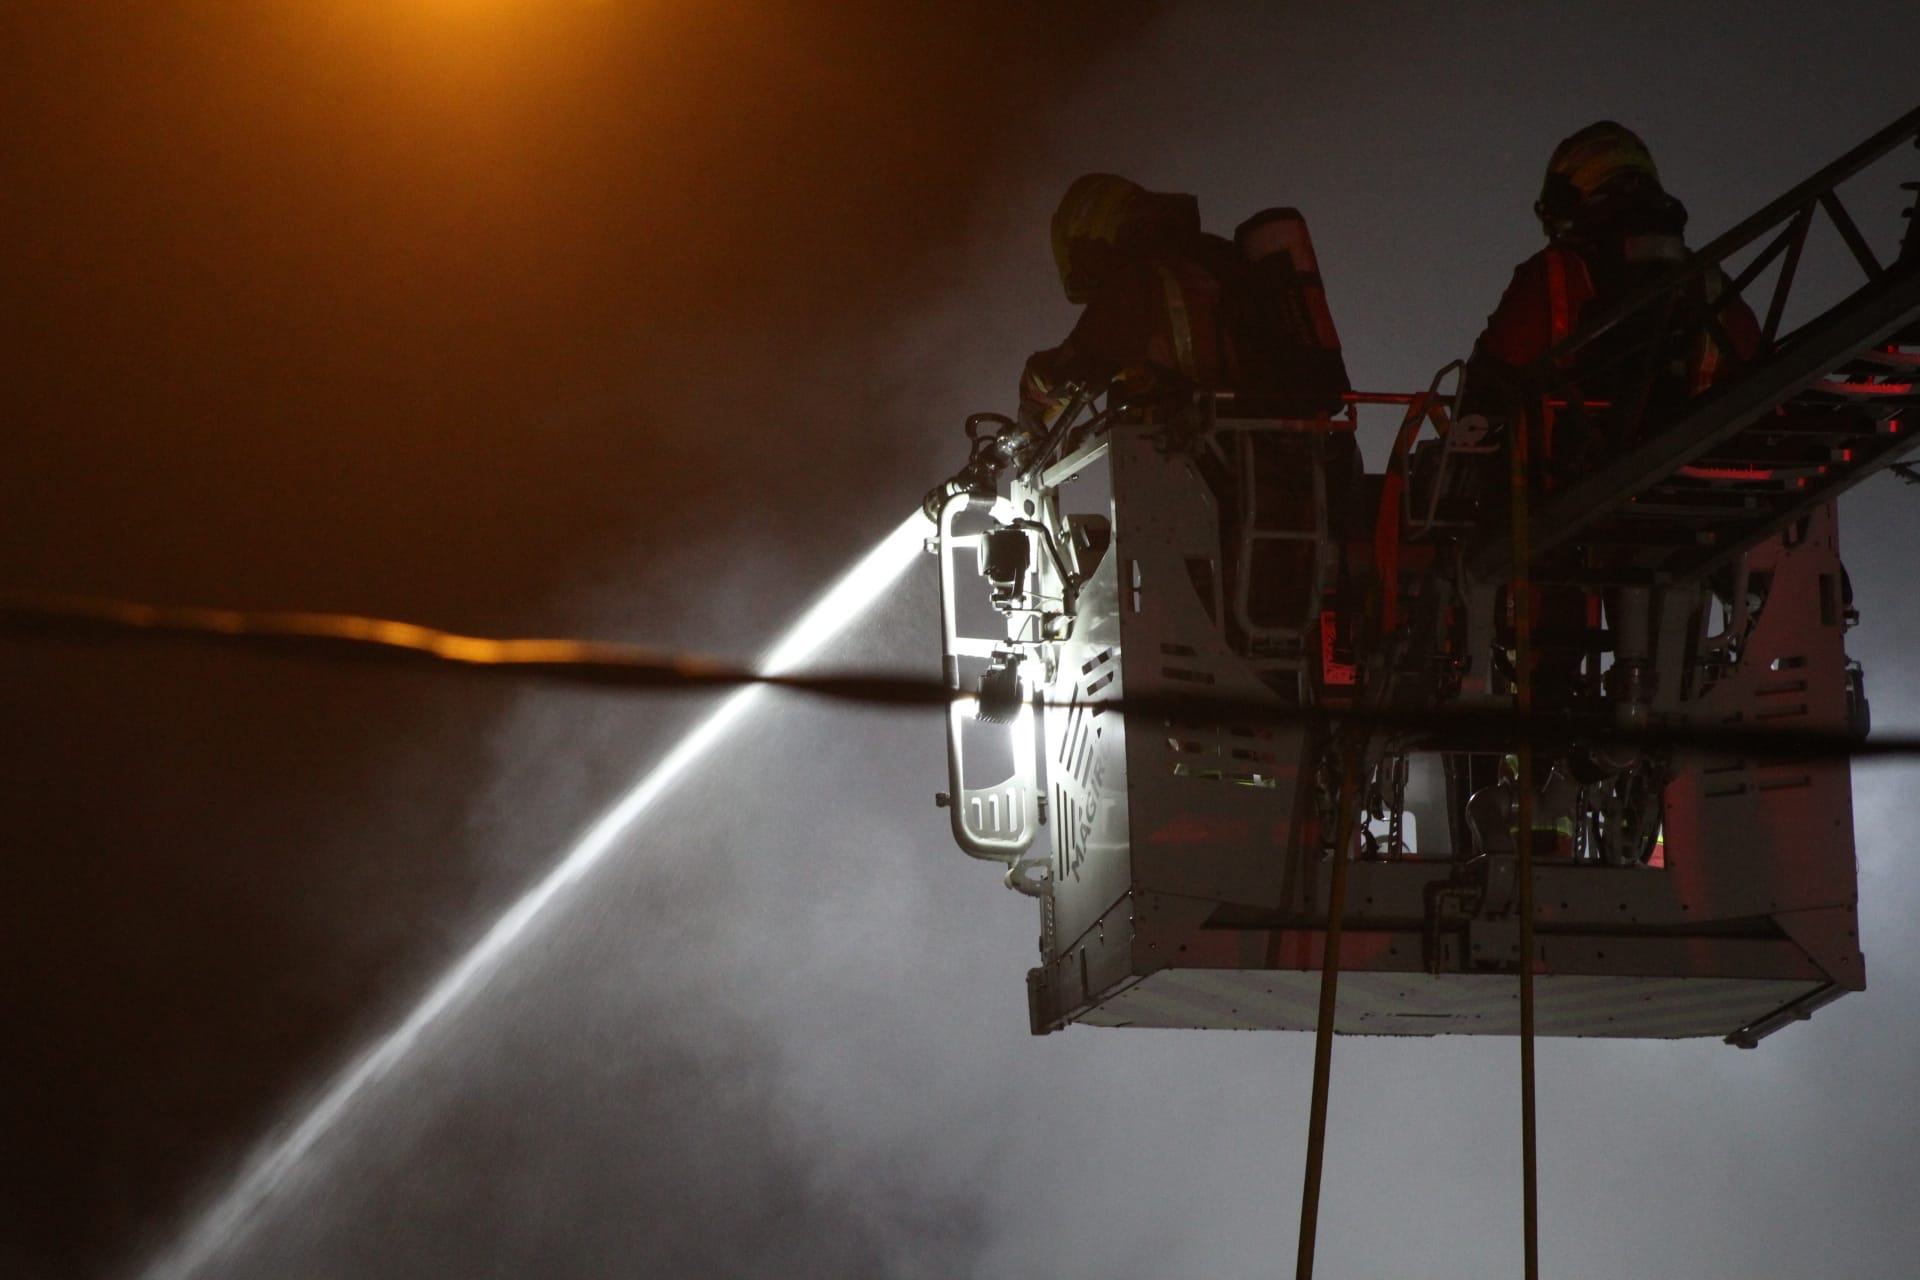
x=1831, y=404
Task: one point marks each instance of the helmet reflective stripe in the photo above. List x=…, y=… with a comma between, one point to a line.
x=1585, y=163
x=1597, y=154
x=1094, y=208
x=1593, y=171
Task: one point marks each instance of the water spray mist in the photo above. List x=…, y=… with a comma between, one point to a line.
x=270, y=1166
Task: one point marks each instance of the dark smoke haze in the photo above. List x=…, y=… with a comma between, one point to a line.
x=638, y=322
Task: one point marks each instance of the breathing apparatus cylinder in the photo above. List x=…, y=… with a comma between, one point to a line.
x=1294, y=350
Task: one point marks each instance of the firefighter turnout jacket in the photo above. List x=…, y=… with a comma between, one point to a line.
x=1612, y=230
x=1154, y=322
x=1171, y=310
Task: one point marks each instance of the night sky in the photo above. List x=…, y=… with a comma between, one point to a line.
x=639, y=321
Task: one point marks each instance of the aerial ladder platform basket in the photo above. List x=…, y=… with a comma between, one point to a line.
x=1174, y=634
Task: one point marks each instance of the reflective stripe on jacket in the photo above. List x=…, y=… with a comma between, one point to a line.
x=1551, y=295
x=1542, y=307
x=1156, y=326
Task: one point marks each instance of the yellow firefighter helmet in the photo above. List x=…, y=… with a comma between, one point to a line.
x=1585, y=163
x=1093, y=212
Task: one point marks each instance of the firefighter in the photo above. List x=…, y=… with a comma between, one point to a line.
x=1152, y=284
x=1170, y=311
x=1611, y=227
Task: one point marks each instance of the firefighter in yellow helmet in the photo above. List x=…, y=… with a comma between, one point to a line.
x=1152, y=284
x=1611, y=227
x=1172, y=310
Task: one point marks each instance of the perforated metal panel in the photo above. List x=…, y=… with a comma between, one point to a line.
x=1190, y=878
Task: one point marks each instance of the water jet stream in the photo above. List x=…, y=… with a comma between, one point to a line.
x=275, y=1159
